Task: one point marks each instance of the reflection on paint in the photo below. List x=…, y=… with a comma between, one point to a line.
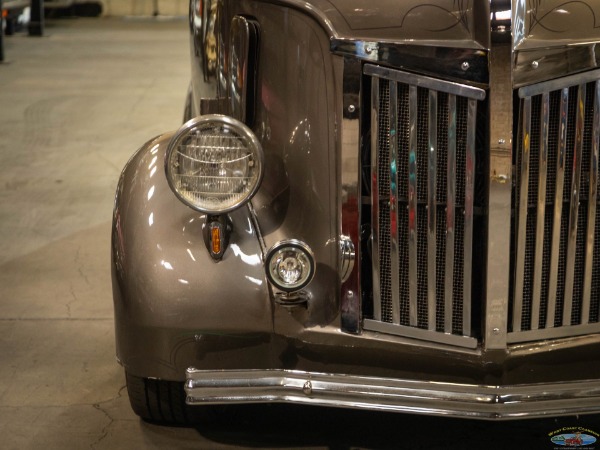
x=253, y=260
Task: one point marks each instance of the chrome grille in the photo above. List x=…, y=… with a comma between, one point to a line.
x=556, y=271
x=422, y=189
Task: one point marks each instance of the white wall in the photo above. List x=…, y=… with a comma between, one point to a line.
x=144, y=7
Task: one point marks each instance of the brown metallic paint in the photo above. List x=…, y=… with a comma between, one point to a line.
x=223, y=320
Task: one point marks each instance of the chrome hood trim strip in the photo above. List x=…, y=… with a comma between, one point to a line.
x=390, y=394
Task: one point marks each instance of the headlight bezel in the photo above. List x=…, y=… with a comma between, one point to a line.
x=289, y=245
x=243, y=132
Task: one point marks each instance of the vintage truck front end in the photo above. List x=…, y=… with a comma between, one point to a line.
x=386, y=206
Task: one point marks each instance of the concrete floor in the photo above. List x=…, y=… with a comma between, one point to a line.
x=74, y=105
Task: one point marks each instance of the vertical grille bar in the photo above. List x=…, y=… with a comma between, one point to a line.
x=412, y=207
x=375, y=195
x=591, y=222
x=393, y=196
x=432, y=210
x=541, y=212
x=558, y=206
x=469, y=201
x=450, y=212
x=522, y=215
x=574, y=207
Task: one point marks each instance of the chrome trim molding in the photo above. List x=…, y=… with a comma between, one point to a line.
x=431, y=209
x=435, y=84
x=553, y=333
x=522, y=217
x=391, y=394
x=469, y=201
x=450, y=214
x=412, y=206
x=430, y=60
x=574, y=209
x=560, y=83
x=533, y=66
x=419, y=333
x=375, y=195
x=500, y=107
x=393, y=199
x=558, y=205
x=541, y=207
x=349, y=218
x=347, y=257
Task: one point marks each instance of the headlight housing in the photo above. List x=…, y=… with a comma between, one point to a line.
x=290, y=265
x=214, y=164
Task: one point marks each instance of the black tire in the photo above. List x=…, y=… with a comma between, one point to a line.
x=163, y=402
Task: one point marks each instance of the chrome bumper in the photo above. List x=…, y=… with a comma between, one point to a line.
x=389, y=394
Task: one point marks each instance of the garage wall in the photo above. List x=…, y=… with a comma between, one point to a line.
x=144, y=7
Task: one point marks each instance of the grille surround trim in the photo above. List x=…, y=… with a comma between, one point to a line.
x=567, y=302
x=408, y=300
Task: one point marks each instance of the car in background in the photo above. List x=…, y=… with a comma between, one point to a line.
x=15, y=14
x=386, y=205
x=82, y=8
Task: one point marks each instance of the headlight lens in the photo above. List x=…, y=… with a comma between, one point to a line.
x=290, y=265
x=214, y=164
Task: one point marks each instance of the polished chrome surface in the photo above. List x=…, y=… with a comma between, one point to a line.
x=347, y=257
x=541, y=208
x=450, y=214
x=431, y=209
x=435, y=84
x=408, y=300
x=558, y=205
x=574, y=207
x=240, y=136
x=427, y=60
x=286, y=245
x=393, y=199
x=392, y=394
x=499, y=197
x=412, y=207
x=523, y=178
x=468, y=230
x=592, y=207
x=375, y=195
x=350, y=298
x=562, y=258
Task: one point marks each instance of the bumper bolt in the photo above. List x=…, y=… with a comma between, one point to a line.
x=307, y=388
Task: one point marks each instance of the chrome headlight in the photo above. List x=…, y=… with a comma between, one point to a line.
x=214, y=164
x=290, y=265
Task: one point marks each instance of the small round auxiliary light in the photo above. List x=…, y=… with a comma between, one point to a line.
x=290, y=265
